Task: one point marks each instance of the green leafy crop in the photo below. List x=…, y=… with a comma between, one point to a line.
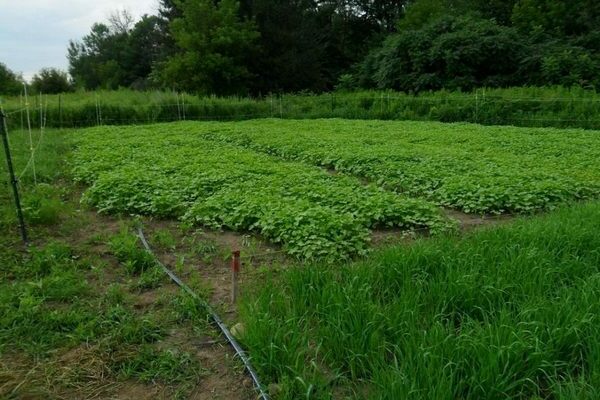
x=469, y=167
x=171, y=170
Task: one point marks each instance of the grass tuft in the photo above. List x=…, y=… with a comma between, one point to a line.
x=128, y=250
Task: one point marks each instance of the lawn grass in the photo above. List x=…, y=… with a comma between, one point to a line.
x=507, y=312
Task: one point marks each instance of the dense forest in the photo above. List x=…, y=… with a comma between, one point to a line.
x=254, y=47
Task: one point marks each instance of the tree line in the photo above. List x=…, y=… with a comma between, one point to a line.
x=254, y=47
x=47, y=80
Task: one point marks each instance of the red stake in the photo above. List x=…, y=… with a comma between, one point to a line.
x=235, y=271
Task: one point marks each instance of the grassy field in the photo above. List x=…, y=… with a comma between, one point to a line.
x=527, y=106
x=507, y=311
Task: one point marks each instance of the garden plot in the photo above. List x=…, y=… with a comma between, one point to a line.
x=468, y=167
x=170, y=171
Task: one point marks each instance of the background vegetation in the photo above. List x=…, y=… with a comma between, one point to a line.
x=242, y=47
x=525, y=106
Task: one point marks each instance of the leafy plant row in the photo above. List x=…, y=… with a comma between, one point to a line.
x=468, y=167
x=171, y=171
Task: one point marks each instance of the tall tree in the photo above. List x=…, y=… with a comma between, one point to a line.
x=145, y=48
x=214, y=47
x=94, y=62
x=167, y=13
x=292, y=46
x=418, y=13
x=561, y=18
x=120, y=21
x=383, y=14
x=307, y=44
x=121, y=54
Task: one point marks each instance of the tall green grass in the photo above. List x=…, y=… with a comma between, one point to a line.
x=508, y=312
x=125, y=107
x=526, y=106
x=43, y=203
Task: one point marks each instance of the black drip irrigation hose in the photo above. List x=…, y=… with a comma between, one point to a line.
x=216, y=319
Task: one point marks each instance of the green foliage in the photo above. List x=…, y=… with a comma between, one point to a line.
x=450, y=52
x=236, y=46
x=63, y=326
x=10, y=83
x=50, y=81
x=117, y=54
x=93, y=61
x=562, y=63
x=129, y=251
x=201, y=246
x=467, y=44
x=560, y=18
x=262, y=46
x=127, y=328
x=469, y=167
x=214, y=45
x=188, y=309
x=29, y=317
x=164, y=239
x=43, y=205
x=298, y=49
x=150, y=365
x=150, y=278
x=505, y=312
x=559, y=107
x=146, y=47
x=160, y=170
x=48, y=258
x=422, y=12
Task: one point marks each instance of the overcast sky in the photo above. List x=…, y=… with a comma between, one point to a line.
x=35, y=33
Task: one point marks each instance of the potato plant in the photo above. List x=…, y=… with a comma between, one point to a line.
x=171, y=171
x=464, y=166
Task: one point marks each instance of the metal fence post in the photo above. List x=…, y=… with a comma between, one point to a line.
x=13, y=179
x=281, y=106
x=60, y=116
x=476, y=107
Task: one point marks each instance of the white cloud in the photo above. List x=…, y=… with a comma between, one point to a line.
x=35, y=33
